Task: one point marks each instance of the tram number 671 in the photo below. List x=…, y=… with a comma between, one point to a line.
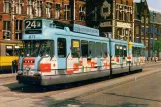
x=31, y=36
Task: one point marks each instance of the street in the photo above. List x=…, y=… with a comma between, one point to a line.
x=141, y=92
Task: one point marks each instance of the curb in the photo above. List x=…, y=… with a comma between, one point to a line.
x=7, y=75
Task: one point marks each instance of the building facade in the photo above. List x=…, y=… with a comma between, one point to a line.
x=147, y=26
x=13, y=12
x=142, y=25
x=155, y=31
x=112, y=17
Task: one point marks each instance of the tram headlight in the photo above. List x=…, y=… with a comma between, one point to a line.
x=19, y=73
x=27, y=68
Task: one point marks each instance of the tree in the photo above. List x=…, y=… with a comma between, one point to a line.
x=157, y=47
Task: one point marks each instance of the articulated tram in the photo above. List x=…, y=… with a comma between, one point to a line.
x=56, y=53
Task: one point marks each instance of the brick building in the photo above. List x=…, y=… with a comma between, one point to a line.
x=115, y=17
x=13, y=12
x=147, y=26
x=142, y=24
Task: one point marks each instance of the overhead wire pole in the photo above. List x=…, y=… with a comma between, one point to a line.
x=153, y=36
x=12, y=19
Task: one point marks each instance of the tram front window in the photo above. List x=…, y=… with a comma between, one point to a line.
x=36, y=48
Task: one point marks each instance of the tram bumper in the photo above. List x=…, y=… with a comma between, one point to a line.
x=29, y=80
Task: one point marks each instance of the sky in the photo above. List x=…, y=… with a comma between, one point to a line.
x=153, y=4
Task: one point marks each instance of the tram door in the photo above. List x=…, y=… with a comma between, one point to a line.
x=61, y=52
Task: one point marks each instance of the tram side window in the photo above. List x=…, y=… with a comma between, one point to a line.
x=98, y=50
x=84, y=48
x=75, y=48
x=121, y=51
x=91, y=49
x=139, y=52
x=124, y=51
x=17, y=50
x=104, y=50
x=61, y=47
x=117, y=50
x=142, y=52
x=9, y=50
x=134, y=51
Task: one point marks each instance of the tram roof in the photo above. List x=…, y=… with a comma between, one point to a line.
x=11, y=41
x=138, y=44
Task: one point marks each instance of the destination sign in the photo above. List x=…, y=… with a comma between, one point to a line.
x=33, y=31
x=33, y=24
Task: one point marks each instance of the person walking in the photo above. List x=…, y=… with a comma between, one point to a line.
x=156, y=59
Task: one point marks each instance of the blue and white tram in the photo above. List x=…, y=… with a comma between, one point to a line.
x=56, y=54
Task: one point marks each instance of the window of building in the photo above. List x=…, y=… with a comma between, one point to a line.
x=57, y=11
x=67, y=12
x=137, y=30
x=61, y=47
x=30, y=7
x=48, y=10
x=75, y=48
x=117, y=14
x=147, y=20
x=142, y=19
x=39, y=8
x=6, y=30
x=84, y=48
x=127, y=2
x=120, y=15
x=18, y=6
x=81, y=13
x=18, y=31
x=121, y=1
x=6, y=6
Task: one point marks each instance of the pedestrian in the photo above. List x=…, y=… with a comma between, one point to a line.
x=155, y=59
x=14, y=66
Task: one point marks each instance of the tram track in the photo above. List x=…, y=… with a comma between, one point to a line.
x=40, y=92
x=22, y=93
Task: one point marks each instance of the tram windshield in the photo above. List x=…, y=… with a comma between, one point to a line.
x=34, y=48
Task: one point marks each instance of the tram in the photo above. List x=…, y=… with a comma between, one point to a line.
x=9, y=51
x=57, y=53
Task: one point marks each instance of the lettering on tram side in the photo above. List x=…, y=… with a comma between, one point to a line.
x=31, y=36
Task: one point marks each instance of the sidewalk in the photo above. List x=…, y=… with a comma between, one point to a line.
x=147, y=63
x=8, y=75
